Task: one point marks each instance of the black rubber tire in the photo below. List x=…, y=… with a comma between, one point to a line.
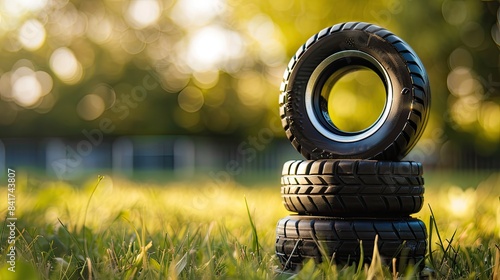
x=339, y=49
x=349, y=188
x=352, y=172
x=299, y=238
x=353, y=201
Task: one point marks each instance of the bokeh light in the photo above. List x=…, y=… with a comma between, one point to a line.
x=224, y=59
x=215, y=97
x=454, y=12
x=90, y=107
x=495, y=29
x=196, y=13
x=25, y=86
x=207, y=79
x=143, y=13
x=460, y=57
x=187, y=120
x=472, y=34
x=489, y=118
x=46, y=104
x=65, y=65
x=99, y=29
x=268, y=38
x=464, y=111
x=65, y=23
x=191, y=99
x=26, y=90
x=18, y=8
x=461, y=82
x=213, y=47
x=32, y=35
x=106, y=93
x=130, y=43
x=461, y=203
x=251, y=88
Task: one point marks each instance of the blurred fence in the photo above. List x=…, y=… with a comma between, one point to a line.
x=179, y=156
x=182, y=157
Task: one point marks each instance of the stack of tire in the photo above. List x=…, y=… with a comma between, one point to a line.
x=353, y=189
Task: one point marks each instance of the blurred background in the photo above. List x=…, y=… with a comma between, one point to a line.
x=191, y=86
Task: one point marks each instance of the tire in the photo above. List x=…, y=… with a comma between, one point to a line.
x=333, y=52
x=300, y=238
x=353, y=201
x=347, y=188
x=352, y=172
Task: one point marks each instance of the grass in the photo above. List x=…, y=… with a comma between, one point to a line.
x=109, y=228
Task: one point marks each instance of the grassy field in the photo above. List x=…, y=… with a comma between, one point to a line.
x=110, y=228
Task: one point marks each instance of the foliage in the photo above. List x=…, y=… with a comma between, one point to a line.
x=214, y=67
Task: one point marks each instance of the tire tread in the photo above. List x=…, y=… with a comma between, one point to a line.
x=352, y=201
x=342, y=239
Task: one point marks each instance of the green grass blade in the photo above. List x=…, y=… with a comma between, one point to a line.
x=99, y=179
x=255, y=237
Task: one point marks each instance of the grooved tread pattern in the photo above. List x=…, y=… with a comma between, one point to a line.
x=349, y=201
x=351, y=166
x=415, y=121
x=299, y=238
x=347, y=188
x=351, y=172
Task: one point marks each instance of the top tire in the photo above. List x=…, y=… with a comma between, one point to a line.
x=334, y=52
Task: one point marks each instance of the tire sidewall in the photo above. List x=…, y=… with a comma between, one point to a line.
x=400, y=81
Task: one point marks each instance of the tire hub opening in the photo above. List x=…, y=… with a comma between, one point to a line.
x=354, y=101
x=348, y=97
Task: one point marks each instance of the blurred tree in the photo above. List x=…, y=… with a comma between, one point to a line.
x=215, y=66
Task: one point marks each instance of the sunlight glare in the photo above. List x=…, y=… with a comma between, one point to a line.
x=19, y=7
x=32, y=5
x=195, y=13
x=143, y=13
x=212, y=48
x=462, y=203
